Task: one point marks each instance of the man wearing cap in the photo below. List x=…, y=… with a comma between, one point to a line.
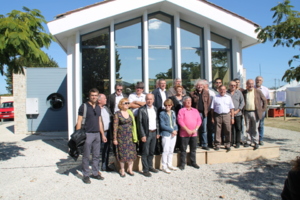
x=138, y=98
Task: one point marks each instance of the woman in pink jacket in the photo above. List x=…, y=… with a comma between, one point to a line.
x=189, y=121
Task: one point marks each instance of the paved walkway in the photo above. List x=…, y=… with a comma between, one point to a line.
x=38, y=167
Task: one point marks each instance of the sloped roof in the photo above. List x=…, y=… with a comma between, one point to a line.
x=107, y=1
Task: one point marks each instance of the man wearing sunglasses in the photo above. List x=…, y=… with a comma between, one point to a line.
x=114, y=98
x=93, y=127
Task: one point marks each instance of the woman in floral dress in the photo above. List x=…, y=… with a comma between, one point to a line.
x=125, y=136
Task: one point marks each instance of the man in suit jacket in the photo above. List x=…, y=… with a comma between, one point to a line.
x=160, y=95
x=201, y=101
x=148, y=131
x=255, y=105
x=114, y=98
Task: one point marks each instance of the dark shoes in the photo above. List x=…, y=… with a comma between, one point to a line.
x=205, y=148
x=147, y=174
x=181, y=167
x=107, y=169
x=237, y=145
x=217, y=148
x=98, y=177
x=228, y=149
x=86, y=180
x=261, y=143
x=246, y=145
x=153, y=170
x=195, y=166
x=256, y=147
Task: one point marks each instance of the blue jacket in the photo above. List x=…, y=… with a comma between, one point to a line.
x=164, y=121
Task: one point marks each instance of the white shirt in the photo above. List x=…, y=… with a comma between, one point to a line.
x=265, y=91
x=134, y=97
x=222, y=104
x=152, y=118
x=163, y=96
x=105, y=119
x=118, y=98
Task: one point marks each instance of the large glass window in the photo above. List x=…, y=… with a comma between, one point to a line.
x=95, y=62
x=191, y=54
x=128, y=43
x=160, y=49
x=221, y=58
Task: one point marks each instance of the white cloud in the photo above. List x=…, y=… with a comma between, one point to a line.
x=154, y=24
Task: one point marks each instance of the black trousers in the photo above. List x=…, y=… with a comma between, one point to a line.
x=105, y=149
x=185, y=141
x=236, y=130
x=148, y=149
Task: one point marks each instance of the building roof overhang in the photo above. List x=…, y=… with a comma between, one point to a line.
x=198, y=12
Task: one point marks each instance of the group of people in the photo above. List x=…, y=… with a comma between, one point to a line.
x=169, y=120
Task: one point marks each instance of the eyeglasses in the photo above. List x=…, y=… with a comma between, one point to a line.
x=140, y=88
x=232, y=85
x=119, y=89
x=168, y=105
x=218, y=82
x=126, y=103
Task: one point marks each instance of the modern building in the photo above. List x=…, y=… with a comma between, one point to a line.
x=144, y=40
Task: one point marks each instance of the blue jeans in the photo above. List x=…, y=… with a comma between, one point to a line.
x=261, y=127
x=203, y=130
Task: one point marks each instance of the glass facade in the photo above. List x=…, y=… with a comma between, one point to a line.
x=221, y=58
x=95, y=49
x=128, y=45
x=95, y=62
x=191, y=54
x=160, y=49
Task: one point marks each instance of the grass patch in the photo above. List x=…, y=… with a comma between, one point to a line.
x=291, y=123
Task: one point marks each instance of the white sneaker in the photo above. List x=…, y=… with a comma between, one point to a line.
x=166, y=170
x=173, y=168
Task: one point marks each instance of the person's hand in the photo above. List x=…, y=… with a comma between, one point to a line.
x=174, y=133
x=157, y=136
x=235, y=112
x=115, y=142
x=189, y=131
x=144, y=139
x=213, y=120
x=104, y=139
x=232, y=121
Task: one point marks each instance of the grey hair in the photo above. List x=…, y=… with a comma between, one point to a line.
x=176, y=79
x=186, y=98
x=200, y=81
x=100, y=96
x=259, y=77
x=149, y=94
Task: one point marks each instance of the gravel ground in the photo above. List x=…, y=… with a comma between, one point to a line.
x=38, y=167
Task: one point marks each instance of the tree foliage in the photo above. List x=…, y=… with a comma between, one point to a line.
x=284, y=32
x=22, y=35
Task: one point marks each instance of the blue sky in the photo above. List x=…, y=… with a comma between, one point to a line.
x=273, y=61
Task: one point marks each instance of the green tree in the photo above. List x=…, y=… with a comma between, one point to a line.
x=22, y=35
x=25, y=63
x=284, y=32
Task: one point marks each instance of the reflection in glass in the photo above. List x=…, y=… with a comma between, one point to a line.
x=160, y=49
x=128, y=41
x=220, y=56
x=191, y=54
x=95, y=62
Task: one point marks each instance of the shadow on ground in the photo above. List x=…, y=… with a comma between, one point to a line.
x=67, y=166
x=276, y=140
x=10, y=150
x=11, y=128
x=57, y=140
x=263, y=180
